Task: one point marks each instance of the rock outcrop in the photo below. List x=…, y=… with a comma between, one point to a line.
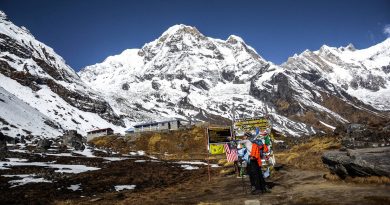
x=363, y=136
x=73, y=139
x=3, y=143
x=359, y=162
x=44, y=144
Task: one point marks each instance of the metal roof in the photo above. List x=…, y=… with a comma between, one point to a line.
x=100, y=130
x=156, y=122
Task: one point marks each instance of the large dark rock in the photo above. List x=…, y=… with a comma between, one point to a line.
x=3, y=143
x=73, y=139
x=359, y=162
x=363, y=136
x=44, y=144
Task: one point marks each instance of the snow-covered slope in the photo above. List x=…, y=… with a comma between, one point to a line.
x=17, y=118
x=184, y=73
x=364, y=74
x=33, y=73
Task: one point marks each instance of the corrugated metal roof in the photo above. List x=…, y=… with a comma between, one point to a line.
x=100, y=130
x=153, y=123
x=131, y=129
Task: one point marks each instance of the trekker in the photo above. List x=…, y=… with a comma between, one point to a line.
x=254, y=168
x=256, y=174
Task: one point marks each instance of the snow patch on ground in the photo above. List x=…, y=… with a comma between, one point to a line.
x=191, y=162
x=138, y=153
x=327, y=125
x=115, y=158
x=188, y=167
x=87, y=152
x=124, y=187
x=140, y=160
x=25, y=179
x=74, y=187
x=62, y=168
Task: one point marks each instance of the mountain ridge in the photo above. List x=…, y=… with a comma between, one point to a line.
x=34, y=75
x=248, y=74
x=186, y=74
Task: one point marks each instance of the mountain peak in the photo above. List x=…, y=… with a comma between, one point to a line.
x=3, y=16
x=350, y=47
x=181, y=28
x=233, y=39
x=325, y=47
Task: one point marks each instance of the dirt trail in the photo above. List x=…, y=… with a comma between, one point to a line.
x=165, y=182
x=168, y=182
x=290, y=186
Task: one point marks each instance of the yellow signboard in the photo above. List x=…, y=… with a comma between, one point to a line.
x=251, y=124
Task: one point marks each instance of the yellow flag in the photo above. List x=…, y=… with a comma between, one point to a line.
x=216, y=149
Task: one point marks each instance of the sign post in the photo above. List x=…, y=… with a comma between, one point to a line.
x=208, y=153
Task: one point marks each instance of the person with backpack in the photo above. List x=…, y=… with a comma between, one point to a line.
x=252, y=156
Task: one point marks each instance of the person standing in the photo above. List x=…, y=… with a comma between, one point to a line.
x=253, y=159
x=256, y=174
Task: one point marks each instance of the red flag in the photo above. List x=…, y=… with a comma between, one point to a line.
x=231, y=153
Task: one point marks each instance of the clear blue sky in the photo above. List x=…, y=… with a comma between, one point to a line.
x=86, y=32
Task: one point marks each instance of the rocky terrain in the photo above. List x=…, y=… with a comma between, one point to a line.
x=114, y=171
x=359, y=162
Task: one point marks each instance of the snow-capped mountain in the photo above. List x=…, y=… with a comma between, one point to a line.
x=330, y=87
x=364, y=74
x=178, y=75
x=40, y=94
x=184, y=73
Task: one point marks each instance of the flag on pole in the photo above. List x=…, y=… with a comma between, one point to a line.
x=231, y=153
x=216, y=149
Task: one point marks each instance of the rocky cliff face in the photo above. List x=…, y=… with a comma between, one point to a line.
x=34, y=74
x=184, y=73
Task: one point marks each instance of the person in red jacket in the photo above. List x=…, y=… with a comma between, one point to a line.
x=255, y=173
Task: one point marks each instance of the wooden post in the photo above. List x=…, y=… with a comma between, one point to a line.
x=208, y=153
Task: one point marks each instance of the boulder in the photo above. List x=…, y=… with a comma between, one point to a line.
x=359, y=162
x=3, y=143
x=363, y=136
x=22, y=140
x=44, y=144
x=73, y=139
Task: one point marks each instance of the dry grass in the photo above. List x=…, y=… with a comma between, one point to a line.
x=307, y=156
x=227, y=171
x=331, y=177
x=222, y=162
x=180, y=144
x=369, y=180
x=359, y=180
x=118, y=144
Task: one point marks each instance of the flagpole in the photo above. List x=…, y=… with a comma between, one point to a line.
x=208, y=152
